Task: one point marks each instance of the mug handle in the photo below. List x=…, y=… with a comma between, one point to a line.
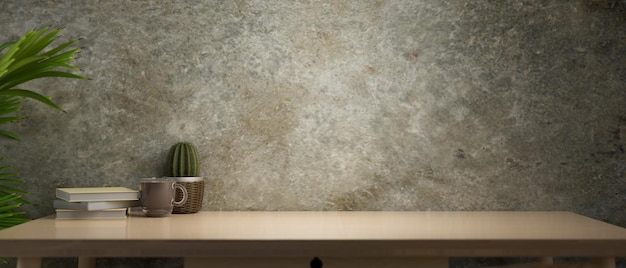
x=185, y=195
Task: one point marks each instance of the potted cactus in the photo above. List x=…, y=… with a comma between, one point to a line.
x=183, y=165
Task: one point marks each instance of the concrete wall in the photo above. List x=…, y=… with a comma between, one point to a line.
x=338, y=105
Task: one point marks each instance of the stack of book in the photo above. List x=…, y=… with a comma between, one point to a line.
x=94, y=202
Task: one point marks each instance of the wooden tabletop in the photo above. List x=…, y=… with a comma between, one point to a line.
x=301, y=233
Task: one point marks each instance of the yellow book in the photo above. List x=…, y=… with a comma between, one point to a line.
x=86, y=194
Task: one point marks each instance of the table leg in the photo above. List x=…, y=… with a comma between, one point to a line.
x=545, y=261
x=30, y=262
x=86, y=262
x=608, y=262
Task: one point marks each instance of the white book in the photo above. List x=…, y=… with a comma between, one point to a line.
x=95, y=205
x=86, y=194
x=116, y=213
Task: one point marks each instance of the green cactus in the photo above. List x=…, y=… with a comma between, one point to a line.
x=183, y=161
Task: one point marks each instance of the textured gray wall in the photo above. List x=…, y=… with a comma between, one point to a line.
x=338, y=105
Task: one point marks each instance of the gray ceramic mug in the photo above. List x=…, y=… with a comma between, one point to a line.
x=157, y=196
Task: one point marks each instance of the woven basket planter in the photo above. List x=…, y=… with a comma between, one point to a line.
x=195, y=192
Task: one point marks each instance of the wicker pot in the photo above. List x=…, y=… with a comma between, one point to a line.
x=195, y=193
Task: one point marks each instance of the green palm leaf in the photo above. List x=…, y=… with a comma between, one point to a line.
x=27, y=76
x=5, y=45
x=36, y=43
x=26, y=60
x=33, y=95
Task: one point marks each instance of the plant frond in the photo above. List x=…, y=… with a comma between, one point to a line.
x=9, y=207
x=8, y=57
x=11, y=108
x=9, y=135
x=9, y=105
x=5, y=45
x=4, y=176
x=11, y=101
x=5, y=167
x=24, y=62
x=10, y=119
x=61, y=47
x=32, y=95
x=9, y=190
x=8, y=194
x=30, y=44
x=4, y=85
x=38, y=44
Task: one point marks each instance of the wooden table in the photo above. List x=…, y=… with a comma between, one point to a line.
x=338, y=239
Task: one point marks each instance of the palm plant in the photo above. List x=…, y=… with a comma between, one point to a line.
x=27, y=59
